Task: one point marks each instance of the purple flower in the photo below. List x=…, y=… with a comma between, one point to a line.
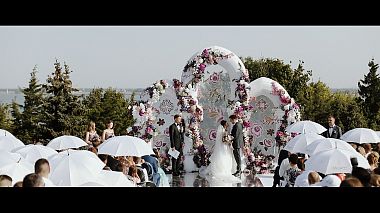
x=205, y=53
x=202, y=67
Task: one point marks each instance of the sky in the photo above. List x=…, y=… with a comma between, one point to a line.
x=137, y=56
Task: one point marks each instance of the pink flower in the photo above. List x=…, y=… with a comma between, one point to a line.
x=280, y=134
x=246, y=124
x=205, y=53
x=202, y=67
x=214, y=78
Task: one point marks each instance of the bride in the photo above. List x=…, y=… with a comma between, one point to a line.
x=222, y=160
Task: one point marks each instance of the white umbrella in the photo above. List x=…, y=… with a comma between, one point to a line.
x=66, y=142
x=10, y=143
x=73, y=168
x=112, y=178
x=361, y=135
x=334, y=161
x=306, y=127
x=298, y=144
x=32, y=152
x=125, y=146
x=7, y=158
x=17, y=170
x=92, y=184
x=4, y=132
x=328, y=144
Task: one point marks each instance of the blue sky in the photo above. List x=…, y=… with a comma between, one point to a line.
x=135, y=57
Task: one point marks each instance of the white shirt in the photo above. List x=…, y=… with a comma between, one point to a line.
x=285, y=165
x=331, y=129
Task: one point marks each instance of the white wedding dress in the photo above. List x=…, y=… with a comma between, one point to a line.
x=222, y=163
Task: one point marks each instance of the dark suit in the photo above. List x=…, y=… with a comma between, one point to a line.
x=176, y=141
x=336, y=133
x=238, y=142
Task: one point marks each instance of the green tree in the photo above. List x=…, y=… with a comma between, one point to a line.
x=103, y=105
x=294, y=81
x=27, y=123
x=369, y=90
x=5, y=117
x=63, y=110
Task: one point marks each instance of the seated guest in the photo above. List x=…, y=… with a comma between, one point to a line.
x=104, y=159
x=154, y=162
x=363, y=175
x=5, y=181
x=313, y=178
x=143, y=174
x=42, y=168
x=18, y=184
x=351, y=182
x=375, y=180
x=373, y=161
x=33, y=180
x=133, y=173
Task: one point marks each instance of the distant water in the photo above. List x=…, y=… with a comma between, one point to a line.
x=7, y=96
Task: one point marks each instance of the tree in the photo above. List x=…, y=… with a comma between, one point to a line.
x=369, y=90
x=293, y=81
x=27, y=123
x=5, y=118
x=63, y=110
x=103, y=105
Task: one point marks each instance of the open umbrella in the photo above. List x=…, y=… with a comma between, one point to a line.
x=7, y=158
x=327, y=144
x=9, y=143
x=73, y=168
x=17, y=170
x=334, y=161
x=66, y=142
x=4, y=132
x=299, y=143
x=112, y=178
x=125, y=146
x=306, y=127
x=32, y=152
x=361, y=135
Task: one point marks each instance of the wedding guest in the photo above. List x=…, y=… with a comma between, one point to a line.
x=351, y=182
x=333, y=131
x=104, y=159
x=33, y=180
x=292, y=173
x=313, y=178
x=142, y=172
x=373, y=161
x=376, y=171
x=109, y=132
x=93, y=150
x=367, y=148
x=133, y=172
x=18, y=184
x=5, y=181
x=154, y=162
x=92, y=137
x=375, y=180
x=277, y=178
x=42, y=168
x=361, y=151
x=363, y=175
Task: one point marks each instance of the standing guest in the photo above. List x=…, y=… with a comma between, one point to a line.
x=42, y=168
x=5, y=181
x=333, y=131
x=292, y=173
x=92, y=137
x=109, y=132
x=281, y=157
x=176, y=143
x=33, y=180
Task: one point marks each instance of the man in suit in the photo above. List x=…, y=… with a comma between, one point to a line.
x=176, y=140
x=333, y=131
x=238, y=141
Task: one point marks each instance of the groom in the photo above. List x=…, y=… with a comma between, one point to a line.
x=176, y=131
x=238, y=141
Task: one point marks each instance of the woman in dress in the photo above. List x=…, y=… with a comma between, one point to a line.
x=92, y=137
x=108, y=133
x=219, y=171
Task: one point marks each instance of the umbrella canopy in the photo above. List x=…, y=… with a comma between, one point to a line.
x=299, y=143
x=73, y=168
x=125, y=146
x=334, y=161
x=32, y=152
x=7, y=158
x=17, y=170
x=306, y=127
x=361, y=135
x=328, y=144
x=112, y=178
x=4, y=132
x=66, y=142
x=9, y=143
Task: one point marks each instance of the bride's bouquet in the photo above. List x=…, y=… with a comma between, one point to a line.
x=227, y=139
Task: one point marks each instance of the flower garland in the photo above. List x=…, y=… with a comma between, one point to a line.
x=259, y=163
x=291, y=115
x=156, y=90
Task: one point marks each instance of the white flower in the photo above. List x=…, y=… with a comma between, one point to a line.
x=237, y=104
x=200, y=60
x=187, y=90
x=286, y=107
x=129, y=107
x=241, y=82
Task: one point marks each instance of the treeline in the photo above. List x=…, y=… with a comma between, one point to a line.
x=53, y=109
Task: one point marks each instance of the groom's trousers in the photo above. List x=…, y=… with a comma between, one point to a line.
x=237, y=159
